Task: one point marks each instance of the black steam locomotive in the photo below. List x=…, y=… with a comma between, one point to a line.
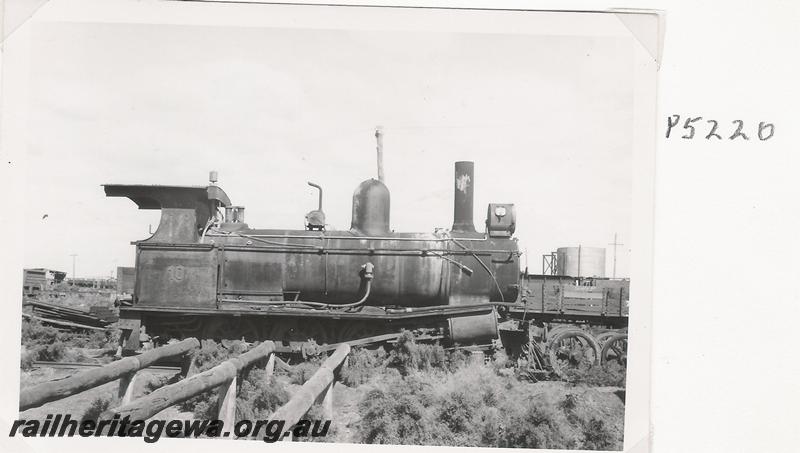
x=206, y=273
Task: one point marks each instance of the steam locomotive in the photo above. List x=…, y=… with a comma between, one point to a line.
x=205, y=272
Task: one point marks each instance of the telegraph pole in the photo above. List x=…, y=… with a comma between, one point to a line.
x=615, y=244
x=74, y=255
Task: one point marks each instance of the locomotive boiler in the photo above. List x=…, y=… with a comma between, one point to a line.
x=205, y=272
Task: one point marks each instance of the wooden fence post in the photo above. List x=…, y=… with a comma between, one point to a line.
x=327, y=401
x=226, y=404
x=270, y=368
x=186, y=365
x=126, y=384
x=319, y=386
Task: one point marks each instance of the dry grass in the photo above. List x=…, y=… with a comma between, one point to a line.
x=418, y=395
x=474, y=406
x=256, y=397
x=40, y=342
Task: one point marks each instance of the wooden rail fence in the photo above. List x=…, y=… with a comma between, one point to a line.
x=125, y=370
x=319, y=388
x=223, y=375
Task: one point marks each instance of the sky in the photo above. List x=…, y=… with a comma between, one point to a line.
x=547, y=120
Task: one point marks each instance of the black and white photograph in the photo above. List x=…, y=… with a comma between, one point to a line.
x=348, y=225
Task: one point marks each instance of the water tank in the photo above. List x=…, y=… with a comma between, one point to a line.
x=582, y=261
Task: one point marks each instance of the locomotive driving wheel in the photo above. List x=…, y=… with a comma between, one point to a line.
x=356, y=330
x=293, y=330
x=250, y=329
x=177, y=328
x=221, y=329
x=314, y=330
x=571, y=350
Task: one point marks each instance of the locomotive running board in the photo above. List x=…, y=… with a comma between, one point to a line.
x=237, y=309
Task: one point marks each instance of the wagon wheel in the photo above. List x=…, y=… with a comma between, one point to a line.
x=602, y=337
x=572, y=349
x=615, y=350
x=554, y=331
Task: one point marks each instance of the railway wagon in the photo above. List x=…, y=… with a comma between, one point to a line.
x=564, y=322
x=205, y=272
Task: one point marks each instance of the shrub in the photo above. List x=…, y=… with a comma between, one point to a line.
x=34, y=333
x=538, y=425
x=259, y=396
x=208, y=356
x=403, y=356
x=49, y=344
x=27, y=357
x=474, y=406
x=105, y=339
x=393, y=418
x=430, y=356
x=612, y=375
x=362, y=364
x=597, y=436
x=408, y=356
x=302, y=372
x=52, y=352
x=500, y=360
x=457, y=359
x=98, y=406
x=256, y=395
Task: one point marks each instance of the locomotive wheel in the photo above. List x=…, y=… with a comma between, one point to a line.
x=172, y=328
x=357, y=330
x=219, y=329
x=250, y=330
x=287, y=330
x=615, y=350
x=572, y=349
x=284, y=330
x=315, y=330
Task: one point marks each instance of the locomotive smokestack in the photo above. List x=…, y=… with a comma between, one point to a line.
x=379, y=140
x=463, y=200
